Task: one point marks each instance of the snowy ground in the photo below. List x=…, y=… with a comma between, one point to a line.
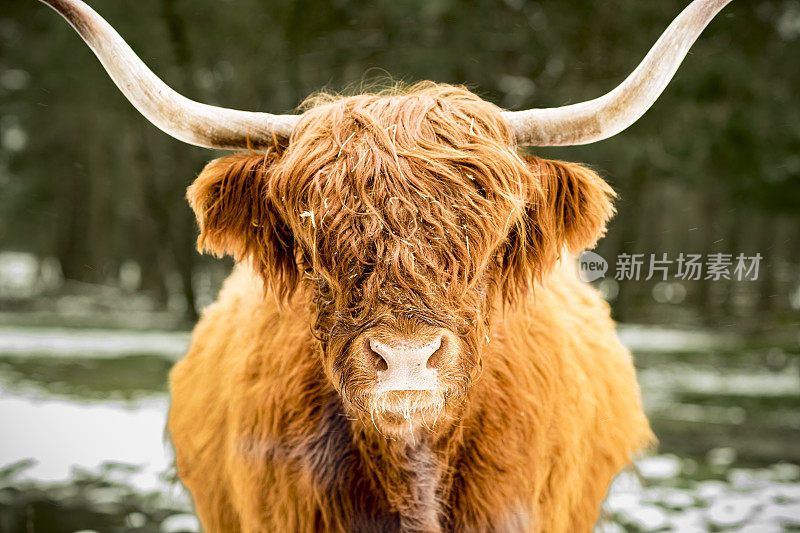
x=83, y=454
x=665, y=496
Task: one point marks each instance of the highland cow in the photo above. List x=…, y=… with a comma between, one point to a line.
x=403, y=344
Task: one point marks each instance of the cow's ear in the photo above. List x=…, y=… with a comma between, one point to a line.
x=577, y=200
x=567, y=208
x=236, y=217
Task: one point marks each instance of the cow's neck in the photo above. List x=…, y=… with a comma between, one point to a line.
x=410, y=472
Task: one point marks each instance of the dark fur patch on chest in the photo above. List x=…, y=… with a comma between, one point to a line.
x=341, y=477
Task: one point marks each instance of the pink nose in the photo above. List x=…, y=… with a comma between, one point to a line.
x=406, y=365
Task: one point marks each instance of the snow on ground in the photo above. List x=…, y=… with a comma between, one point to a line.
x=117, y=448
x=62, y=436
x=76, y=342
x=68, y=437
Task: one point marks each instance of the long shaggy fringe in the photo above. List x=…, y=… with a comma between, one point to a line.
x=407, y=197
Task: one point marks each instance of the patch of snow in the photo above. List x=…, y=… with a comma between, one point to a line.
x=659, y=467
x=648, y=518
x=180, y=523
x=63, y=436
x=732, y=511
x=643, y=338
x=97, y=343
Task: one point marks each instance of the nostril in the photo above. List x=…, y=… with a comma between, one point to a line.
x=377, y=359
x=436, y=357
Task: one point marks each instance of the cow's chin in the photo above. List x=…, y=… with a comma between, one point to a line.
x=406, y=414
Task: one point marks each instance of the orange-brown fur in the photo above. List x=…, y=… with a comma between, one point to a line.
x=400, y=214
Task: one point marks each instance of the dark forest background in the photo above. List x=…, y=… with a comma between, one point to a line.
x=96, y=194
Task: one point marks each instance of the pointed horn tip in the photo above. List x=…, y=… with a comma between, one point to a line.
x=601, y=118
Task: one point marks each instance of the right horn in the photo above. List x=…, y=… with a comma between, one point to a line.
x=604, y=117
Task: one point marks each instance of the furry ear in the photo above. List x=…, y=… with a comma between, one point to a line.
x=236, y=217
x=578, y=201
x=567, y=208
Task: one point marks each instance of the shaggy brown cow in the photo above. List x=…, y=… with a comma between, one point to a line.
x=404, y=345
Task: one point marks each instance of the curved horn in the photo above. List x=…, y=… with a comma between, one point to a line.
x=604, y=117
x=178, y=116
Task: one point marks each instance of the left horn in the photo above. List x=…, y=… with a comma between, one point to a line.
x=604, y=117
x=186, y=120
